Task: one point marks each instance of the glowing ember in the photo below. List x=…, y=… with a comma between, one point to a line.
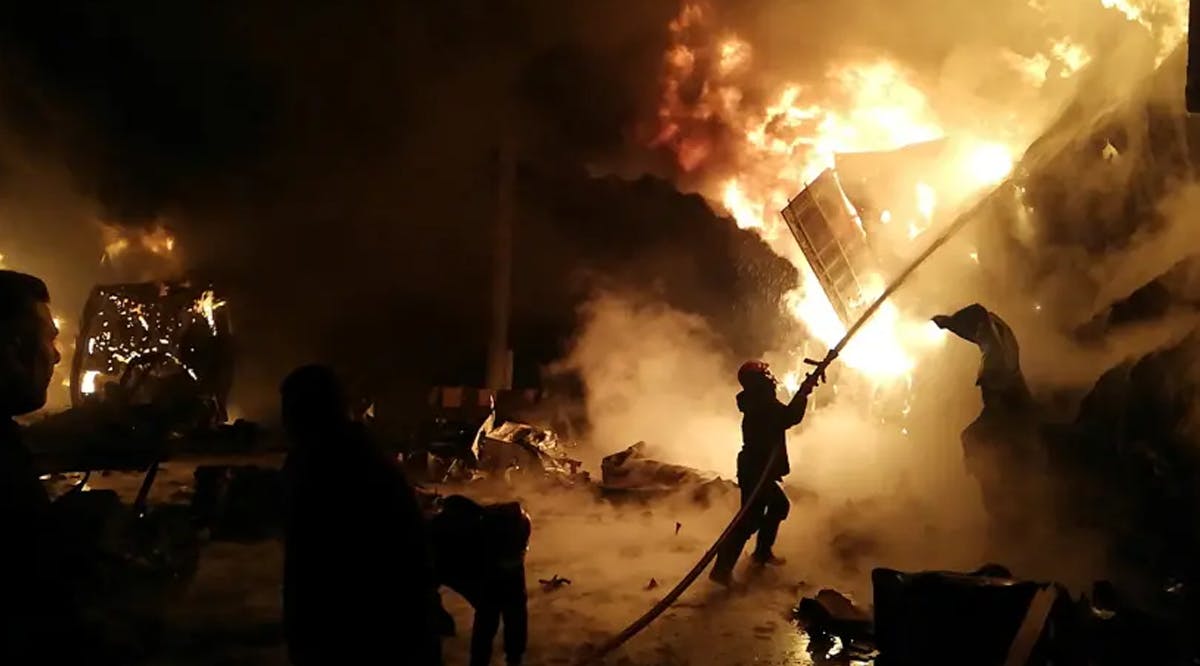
x=206, y=307
x=87, y=385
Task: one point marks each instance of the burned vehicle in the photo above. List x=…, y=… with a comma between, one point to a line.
x=166, y=344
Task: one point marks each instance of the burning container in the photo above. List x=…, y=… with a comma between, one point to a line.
x=830, y=234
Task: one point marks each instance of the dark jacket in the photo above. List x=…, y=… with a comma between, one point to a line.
x=480, y=553
x=41, y=616
x=358, y=577
x=765, y=421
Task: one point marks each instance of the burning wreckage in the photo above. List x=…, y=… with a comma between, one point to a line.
x=1119, y=469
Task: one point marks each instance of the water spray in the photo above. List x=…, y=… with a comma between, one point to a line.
x=812, y=378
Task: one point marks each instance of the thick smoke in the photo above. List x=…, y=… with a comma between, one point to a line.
x=657, y=375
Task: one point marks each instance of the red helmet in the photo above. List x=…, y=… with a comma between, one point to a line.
x=755, y=373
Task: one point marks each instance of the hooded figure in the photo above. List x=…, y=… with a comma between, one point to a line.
x=358, y=580
x=765, y=422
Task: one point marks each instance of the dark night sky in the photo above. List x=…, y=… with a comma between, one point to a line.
x=331, y=164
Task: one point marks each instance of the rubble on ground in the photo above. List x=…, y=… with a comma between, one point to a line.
x=987, y=618
x=831, y=612
x=514, y=446
x=553, y=583
x=633, y=473
x=129, y=567
x=503, y=449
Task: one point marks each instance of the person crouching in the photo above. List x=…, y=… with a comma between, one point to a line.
x=479, y=552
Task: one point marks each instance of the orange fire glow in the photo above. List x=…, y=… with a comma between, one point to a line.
x=770, y=151
x=156, y=240
x=783, y=145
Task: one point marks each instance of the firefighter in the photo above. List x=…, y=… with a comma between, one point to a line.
x=765, y=422
x=479, y=552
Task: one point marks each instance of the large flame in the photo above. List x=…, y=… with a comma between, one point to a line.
x=155, y=240
x=780, y=147
x=770, y=151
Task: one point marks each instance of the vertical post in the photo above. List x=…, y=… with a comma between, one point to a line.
x=499, y=356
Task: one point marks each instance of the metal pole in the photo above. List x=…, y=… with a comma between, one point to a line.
x=499, y=357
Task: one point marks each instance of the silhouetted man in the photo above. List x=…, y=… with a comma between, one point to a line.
x=39, y=619
x=765, y=422
x=479, y=553
x=358, y=584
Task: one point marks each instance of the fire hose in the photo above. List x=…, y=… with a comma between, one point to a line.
x=811, y=379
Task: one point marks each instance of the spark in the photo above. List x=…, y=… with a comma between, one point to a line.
x=206, y=306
